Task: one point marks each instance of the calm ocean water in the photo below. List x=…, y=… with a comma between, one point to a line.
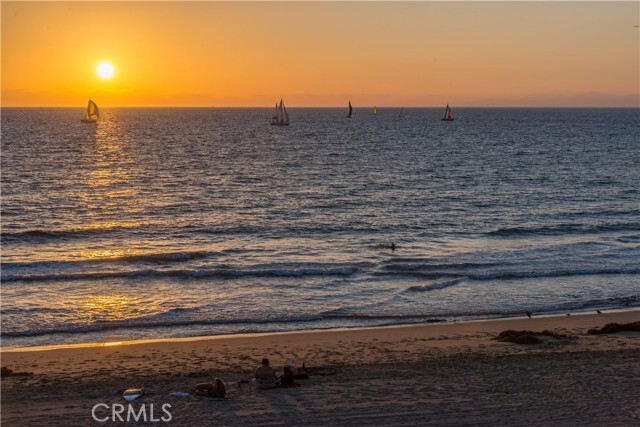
x=181, y=222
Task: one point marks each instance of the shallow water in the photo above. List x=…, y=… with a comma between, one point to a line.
x=178, y=222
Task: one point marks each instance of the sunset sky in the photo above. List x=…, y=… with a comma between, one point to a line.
x=321, y=54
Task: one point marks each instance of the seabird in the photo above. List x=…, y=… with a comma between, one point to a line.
x=598, y=311
x=568, y=314
x=528, y=314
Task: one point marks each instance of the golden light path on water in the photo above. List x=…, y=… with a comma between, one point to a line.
x=108, y=190
x=114, y=307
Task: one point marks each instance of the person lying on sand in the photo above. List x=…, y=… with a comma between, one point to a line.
x=215, y=389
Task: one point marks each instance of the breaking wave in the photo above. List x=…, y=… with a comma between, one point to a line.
x=562, y=229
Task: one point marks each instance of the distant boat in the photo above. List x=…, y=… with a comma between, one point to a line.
x=401, y=110
x=448, y=116
x=350, y=110
x=93, y=114
x=281, y=118
x=375, y=110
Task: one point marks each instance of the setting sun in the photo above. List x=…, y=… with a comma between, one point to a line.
x=105, y=70
x=425, y=53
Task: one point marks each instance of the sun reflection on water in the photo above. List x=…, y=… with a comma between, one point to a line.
x=108, y=225
x=112, y=307
x=107, y=254
x=108, y=189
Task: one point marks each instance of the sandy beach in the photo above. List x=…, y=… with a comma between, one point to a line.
x=436, y=374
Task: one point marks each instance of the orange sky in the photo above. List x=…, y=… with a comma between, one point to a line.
x=321, y=54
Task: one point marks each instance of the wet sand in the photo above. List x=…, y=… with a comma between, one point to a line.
x=437, y=374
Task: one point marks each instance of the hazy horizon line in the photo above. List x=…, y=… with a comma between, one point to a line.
x=336, y=107
x=592, y=99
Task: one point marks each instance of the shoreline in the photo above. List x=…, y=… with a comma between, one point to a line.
x=444, y=374
x=302, y=331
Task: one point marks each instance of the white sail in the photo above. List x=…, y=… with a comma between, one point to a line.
x=285, y=115
x=282, y=117
x=375, y=110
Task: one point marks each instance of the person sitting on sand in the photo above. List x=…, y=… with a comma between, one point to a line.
x=286, y=378
x=264, y=374
x=215, y=389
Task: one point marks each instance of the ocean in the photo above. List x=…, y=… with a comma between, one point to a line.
x=177, y=222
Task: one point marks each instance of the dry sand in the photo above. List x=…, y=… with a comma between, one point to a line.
x=438, y=374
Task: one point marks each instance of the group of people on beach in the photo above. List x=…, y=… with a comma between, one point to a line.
x=264, y=377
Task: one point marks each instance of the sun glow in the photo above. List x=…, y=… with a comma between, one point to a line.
x=105, y=70
x=204, y=53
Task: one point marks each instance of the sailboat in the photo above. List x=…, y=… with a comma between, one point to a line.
x=282, y=117
x=375, y=110
x=350, y=110
x=93, y=114
x=448, y=117
x=401, y=110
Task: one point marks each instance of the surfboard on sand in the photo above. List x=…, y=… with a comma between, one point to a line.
x=132, y=394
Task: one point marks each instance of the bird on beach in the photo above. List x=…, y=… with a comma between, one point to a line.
x=568, y=314
x=528, y=314
x=598, y=311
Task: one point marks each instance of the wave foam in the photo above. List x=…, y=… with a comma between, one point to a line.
x=560, y=229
